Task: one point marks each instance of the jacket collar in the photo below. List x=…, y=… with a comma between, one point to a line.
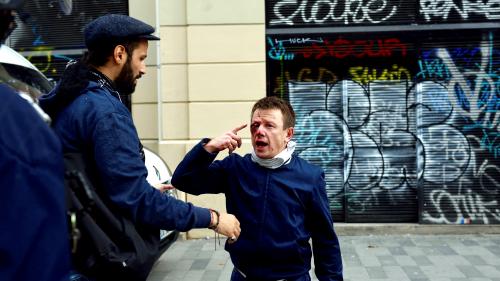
x=104, y=82
x=74, y=82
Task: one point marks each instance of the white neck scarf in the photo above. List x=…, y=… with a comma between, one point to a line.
x=277, y=161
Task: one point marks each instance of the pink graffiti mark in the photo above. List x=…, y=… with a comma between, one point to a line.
x=342, y=48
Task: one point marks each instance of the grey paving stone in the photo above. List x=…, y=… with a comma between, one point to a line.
x=493, y=261
x=475, y=260
x=387, y=260
x=414, y=251
x=194, y=275
x=211, y=275
x=407, y=241
x=211, y=246
x=430, y=250
x=399, y=251
x=419, y=279
x=178, y=251
x=379, y=251
x=366, y=258
x=395, y=273
x=494, y=249
x=405, y=260
x=489, y=271
x=356, y=273
x=421, y=260
x=446, y=250
x=220, y=254
x=457, y=260
x=172, y=274
x=205, y=254
x=435, y=241
x=369, y=260
x=470, y=271
x=437, y=271
x=470, y=242
x=352, y=260
x=156, y=276
x=348, y=252
x=468, y=250
x=436, y=260
x=199, y=264
x=483, y=252
x=171, y=278
x=414, y=272
x=190, y=254
x=217, y=263
x=376, y=272
x=226, y=272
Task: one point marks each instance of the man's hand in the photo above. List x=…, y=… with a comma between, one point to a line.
x=163, y=187
x=229, y=140
x=229, y=226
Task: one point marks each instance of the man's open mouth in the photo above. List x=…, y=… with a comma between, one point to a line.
x=261, y=143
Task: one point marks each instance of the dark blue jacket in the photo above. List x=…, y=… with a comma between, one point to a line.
x=34, y=243
x=279, y=211
x=99, y=125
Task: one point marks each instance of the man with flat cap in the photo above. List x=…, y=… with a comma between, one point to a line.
x=89, y=117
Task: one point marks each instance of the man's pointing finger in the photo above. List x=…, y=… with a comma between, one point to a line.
x=235, y=130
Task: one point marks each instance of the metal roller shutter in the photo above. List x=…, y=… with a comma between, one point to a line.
x=401, y=113
x=52, y=34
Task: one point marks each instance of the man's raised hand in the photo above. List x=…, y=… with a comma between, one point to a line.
x=229, y=140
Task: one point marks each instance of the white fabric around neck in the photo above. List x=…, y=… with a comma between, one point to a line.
x=277, y=161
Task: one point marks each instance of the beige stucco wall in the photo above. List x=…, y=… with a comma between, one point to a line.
x=204, y=78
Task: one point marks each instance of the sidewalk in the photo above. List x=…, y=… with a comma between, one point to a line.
x=401, y=257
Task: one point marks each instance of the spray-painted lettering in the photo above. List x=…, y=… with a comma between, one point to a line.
x=326, y=11
x=364, y=75
x=441, y=9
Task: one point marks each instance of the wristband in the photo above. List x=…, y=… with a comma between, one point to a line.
x=216, y=224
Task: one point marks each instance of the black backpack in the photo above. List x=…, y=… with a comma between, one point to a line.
x=106, y=244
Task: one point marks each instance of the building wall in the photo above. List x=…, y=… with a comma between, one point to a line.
x=211, y=69
x=397, y=100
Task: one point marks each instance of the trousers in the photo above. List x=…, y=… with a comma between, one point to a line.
x=237, y=275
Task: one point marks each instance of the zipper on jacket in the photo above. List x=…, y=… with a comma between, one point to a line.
x=264, y=208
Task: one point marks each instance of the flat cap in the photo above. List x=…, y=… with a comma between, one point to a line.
x=114, y=27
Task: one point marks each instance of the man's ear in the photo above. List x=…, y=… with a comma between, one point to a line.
x=289, y=134
x=120, y=55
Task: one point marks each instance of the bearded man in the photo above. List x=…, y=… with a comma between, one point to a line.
x=89, y=118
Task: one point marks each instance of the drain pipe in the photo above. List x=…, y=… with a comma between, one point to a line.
x=158, y=76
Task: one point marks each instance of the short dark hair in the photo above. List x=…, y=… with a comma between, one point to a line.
x=277, y=103
x=99, y=56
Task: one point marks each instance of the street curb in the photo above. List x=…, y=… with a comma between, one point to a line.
x=353, y=229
